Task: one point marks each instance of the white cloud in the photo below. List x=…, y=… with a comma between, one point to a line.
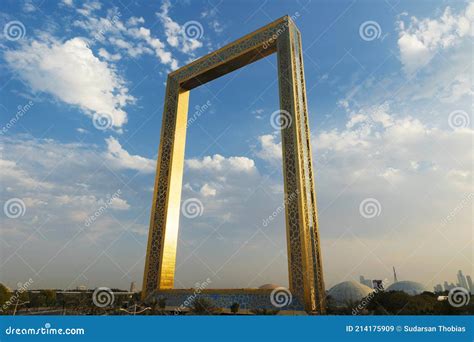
x=175, y=33
x=208, y=191
x=109, y=57
x=270, y=150
x=89, y=7
x=71, y=73
x=220, y=163
x=121, y=159
x=79, y=183
x=420, y=40
x=134, y=21
x=119, y=204
x=131, y=37
x=29, y=7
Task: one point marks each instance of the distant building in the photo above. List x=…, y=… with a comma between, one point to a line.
x=394, y=275
x=438, y=288
x=81, y=288
x=470, y=284
x=462, y=280
x=410, y=287
x=133, y=287
x=366, y=282
x=377, y=284
x=448, y=287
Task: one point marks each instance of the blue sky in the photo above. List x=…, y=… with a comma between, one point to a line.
x=389, y=88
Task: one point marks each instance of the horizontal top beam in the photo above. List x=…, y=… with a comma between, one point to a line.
x=246, y=50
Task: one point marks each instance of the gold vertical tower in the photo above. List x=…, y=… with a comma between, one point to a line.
x=304, y=254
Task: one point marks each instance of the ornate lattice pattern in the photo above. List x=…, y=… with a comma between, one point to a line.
x=304, y=259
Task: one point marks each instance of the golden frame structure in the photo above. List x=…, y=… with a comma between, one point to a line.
x=304, y=254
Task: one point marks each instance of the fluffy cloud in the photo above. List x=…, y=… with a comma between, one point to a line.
x=220, y=163
x=130, y=37
x=71, y=73
x=65, y=182
x=207, y=190
x=270, y=150
x=121, y=159
x=420, y=40
x=62, y=186
x=175, y=33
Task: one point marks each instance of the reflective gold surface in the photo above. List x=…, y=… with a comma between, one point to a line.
x=304, y=255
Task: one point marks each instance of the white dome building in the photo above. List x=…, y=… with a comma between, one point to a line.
x=348, y=292
x=409, y=287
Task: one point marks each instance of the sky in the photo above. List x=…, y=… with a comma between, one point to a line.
x=389, y=88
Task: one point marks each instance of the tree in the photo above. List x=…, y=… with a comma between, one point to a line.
x=234, y=308
x=4, y=294
x=50, y=297
x=204, y=306
x=265, y=312
x=162, y=303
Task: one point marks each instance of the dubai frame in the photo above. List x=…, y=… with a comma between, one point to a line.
x=304, y=255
